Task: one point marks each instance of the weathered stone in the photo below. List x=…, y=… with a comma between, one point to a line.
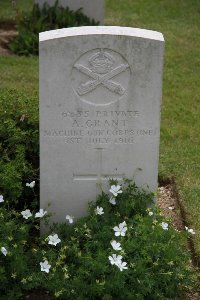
x=100, y=92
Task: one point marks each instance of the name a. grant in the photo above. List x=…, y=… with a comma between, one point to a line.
x=99, y=123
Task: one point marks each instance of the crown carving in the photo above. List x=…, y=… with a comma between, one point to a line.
x=101, y=62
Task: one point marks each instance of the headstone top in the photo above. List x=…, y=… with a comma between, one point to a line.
x=97, y=30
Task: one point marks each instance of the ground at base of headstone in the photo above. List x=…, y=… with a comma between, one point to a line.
x=168, y=203
x=38, y=295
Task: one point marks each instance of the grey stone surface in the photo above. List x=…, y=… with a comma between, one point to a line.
x=100, y=93
x=94, y=9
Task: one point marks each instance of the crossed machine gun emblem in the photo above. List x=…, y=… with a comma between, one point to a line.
x=101, y=72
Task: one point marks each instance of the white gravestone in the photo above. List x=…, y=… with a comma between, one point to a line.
x=94, y=9
x=100, y=92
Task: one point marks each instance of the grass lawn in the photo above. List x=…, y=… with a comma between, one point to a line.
x=7, y=10
x=179, y=21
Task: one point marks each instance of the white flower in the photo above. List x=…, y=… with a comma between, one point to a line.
x=115, y=259
x=112, y=200
x=122, y=265
x=121, y=230
x=190, y=230
x=41, y=213
x=1, y=198
x=164, y=225
x=70, y=219
x=53, y=239
x=4, y=251
x=26, y=214
x=150, y=213
x=115, y=190
x=99, y=210
x=116, y=246
x=31, y=185
x=171, y=207
x=45, y=266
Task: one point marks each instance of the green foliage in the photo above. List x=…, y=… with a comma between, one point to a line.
x=158, y=265
x=19, y=147
x=44, y=19
x=8, y=9
x=14, y=236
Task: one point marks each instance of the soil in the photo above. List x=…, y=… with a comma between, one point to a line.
x=7, y=33
x=38, y=295
x=169, y=206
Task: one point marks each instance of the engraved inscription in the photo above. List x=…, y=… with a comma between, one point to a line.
x=117, y=136
x=101, y=127
x=101, y=113
x=100, y=76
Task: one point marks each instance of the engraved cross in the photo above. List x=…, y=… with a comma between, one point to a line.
x=99, y=175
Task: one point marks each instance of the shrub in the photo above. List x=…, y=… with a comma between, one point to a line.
x=19, y=147
x=78, y=257
x=44, y=19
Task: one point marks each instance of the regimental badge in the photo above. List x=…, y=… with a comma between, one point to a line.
x=102, y=71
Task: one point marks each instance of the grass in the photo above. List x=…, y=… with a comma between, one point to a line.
x=8, y=12
x=19, y=73
x=179, y=21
